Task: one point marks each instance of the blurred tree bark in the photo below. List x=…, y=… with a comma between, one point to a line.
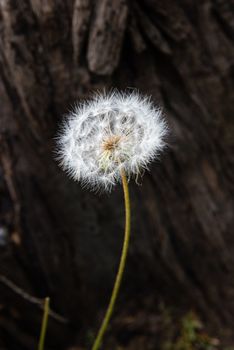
x=59, y=240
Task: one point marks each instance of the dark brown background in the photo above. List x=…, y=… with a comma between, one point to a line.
x=59, y=240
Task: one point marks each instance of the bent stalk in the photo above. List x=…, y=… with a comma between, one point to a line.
x=109, y=311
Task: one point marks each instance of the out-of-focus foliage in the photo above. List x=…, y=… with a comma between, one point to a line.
x=191, y=336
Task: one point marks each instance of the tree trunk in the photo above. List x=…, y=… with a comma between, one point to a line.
x=59, y=240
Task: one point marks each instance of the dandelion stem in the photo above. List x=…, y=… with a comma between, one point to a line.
x=109, y=311
x=44, y=324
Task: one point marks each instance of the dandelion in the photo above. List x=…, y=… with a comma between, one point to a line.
x=110, y=134
x=104, y=141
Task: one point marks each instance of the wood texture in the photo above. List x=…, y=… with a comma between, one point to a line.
x=59, y=240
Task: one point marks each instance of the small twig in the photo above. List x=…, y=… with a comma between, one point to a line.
x=31, y=299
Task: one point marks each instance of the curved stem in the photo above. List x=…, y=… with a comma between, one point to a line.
x=109, y=311
x=44, y=324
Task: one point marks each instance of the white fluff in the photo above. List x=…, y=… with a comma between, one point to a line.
x=110, y=133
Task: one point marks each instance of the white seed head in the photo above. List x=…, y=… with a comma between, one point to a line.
x=109, y=134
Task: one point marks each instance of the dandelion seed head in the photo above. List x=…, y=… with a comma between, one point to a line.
x=110, y=133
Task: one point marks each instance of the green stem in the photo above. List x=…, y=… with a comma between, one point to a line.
x=109, y=311
x=44, y=324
